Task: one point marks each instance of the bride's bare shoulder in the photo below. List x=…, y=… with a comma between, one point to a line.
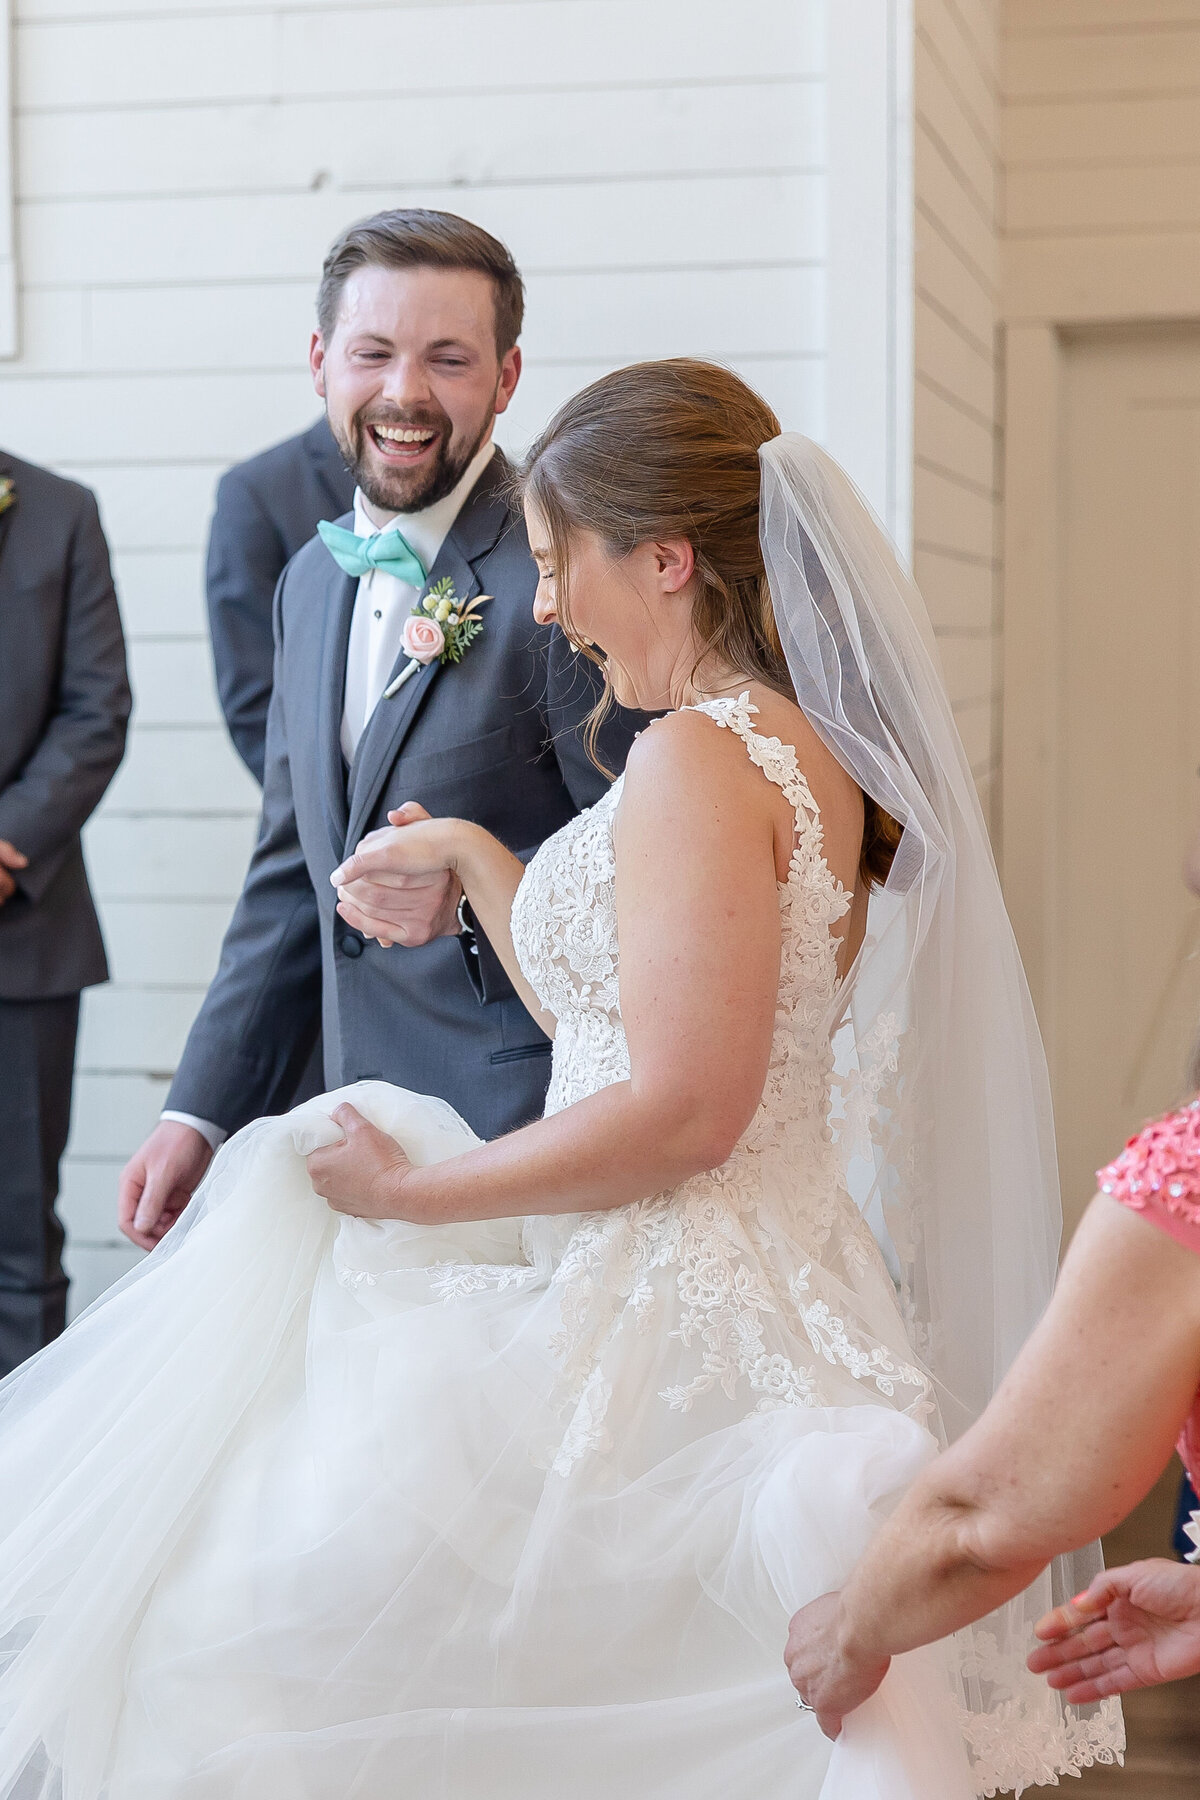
x=686, y=751
x=688, y=779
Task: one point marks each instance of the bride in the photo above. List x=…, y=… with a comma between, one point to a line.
x=497, y=1472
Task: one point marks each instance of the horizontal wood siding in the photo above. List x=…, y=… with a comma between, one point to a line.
x=1102, y=145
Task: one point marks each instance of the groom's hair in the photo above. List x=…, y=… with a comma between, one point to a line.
x=412, y=237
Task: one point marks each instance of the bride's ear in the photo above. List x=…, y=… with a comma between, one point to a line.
x=675, y=563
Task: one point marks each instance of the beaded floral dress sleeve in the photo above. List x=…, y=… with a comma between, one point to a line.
x=1158, y=1175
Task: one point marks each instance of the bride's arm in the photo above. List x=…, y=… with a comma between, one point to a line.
x=698, y=918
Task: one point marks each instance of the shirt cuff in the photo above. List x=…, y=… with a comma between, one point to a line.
x=212, y=1134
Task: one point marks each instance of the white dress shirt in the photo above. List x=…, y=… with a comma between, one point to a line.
x=381, y=605
x=383, y=602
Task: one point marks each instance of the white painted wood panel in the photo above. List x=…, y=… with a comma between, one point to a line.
x=312, y=145
x=275, y=54
x=129, y=237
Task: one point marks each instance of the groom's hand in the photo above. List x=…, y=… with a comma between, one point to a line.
x=11, y=864
x=158, y=1181
x=397, y=887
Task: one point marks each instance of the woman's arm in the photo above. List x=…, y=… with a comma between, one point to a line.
x=381, y=886
x=1075, y=1437
x=698, y=918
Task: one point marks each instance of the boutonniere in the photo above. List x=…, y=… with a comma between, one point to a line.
x=439, y=629
x=8, y=493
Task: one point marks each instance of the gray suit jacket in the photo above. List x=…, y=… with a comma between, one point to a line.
x=495, y=738
x=267, y=509
x=64, y=704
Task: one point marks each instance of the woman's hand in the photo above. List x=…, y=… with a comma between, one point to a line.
x=824, y=1673
x=1134, y=1627
x=364, y=1174
x=400, y=886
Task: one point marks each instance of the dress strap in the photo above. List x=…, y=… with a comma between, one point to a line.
x=777, y=760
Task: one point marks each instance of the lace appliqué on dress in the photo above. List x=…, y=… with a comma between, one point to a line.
x=733, y=1253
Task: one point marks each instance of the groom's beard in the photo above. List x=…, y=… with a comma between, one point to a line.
x=394, y=489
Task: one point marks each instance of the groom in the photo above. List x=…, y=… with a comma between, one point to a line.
x=415, y=354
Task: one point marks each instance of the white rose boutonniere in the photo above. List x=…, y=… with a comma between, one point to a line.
x=439, y=629
x=8, y=493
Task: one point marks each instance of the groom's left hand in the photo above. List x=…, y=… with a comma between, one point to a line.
x=363, y=1174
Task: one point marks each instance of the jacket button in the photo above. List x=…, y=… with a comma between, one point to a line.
x=351, y=946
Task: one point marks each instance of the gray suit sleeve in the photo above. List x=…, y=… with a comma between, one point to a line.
x=255, y=1031
x=246, y=556
x=62, y=783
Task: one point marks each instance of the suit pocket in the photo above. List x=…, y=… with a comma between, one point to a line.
x=458, y=762
x=520, y=1053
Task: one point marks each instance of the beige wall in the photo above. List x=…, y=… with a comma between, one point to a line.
x=957, y=183
x=1102, y=148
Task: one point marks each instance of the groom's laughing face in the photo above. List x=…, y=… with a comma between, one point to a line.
x=412, y=379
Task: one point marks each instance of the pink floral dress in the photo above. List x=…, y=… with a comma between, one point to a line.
x=1158, y=1175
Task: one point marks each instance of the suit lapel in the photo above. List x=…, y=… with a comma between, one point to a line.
x=339, y=610
x=472, y=535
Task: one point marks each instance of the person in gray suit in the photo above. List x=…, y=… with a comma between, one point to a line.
x=64, y=706
x=415, y=354
x=267, y=508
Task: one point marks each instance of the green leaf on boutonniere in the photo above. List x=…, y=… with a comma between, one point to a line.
x=8, y=493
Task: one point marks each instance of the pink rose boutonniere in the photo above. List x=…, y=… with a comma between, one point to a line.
x=8, y=493
x=439, y=629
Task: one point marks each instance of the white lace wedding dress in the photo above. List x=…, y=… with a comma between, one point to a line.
x=332, y=1510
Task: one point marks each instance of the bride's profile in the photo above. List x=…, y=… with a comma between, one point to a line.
x=412, y=1465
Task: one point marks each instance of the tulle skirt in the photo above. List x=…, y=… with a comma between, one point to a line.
x=287, y=1514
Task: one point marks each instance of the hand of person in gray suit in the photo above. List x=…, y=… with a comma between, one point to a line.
x=159, y=1179
x=10, y=860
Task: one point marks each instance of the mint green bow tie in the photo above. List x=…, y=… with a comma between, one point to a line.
x=387, y=550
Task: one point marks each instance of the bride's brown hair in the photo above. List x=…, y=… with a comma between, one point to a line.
x=670, y=450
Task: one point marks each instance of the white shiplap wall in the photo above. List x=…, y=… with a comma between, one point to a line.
x=656, y=165
x=958, y=189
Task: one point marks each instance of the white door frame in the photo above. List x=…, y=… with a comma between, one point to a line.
x=1050, y=290
x=869, y=252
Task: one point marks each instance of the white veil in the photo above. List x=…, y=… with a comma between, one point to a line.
x=943, y=1114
